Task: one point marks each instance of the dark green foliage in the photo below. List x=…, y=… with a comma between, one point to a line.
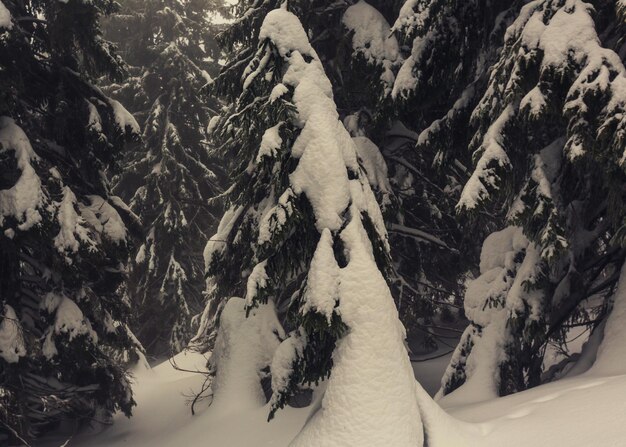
x=422, y=127
x=62, y=259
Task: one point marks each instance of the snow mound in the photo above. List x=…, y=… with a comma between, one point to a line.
x=508, y=261
x=243, y=348
x=588, y=410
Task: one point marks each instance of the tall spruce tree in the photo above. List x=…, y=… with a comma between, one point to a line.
x=64, y=237
x=549, y=149
x=304, y=235
x=168, y=181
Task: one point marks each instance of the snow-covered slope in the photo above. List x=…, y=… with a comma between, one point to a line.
x=579, y=411
x=163, y=417
x=575, y=412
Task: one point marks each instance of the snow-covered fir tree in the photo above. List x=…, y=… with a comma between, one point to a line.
x=548, y=148
x=304, y=242
x=64, y=238
x=169, y=180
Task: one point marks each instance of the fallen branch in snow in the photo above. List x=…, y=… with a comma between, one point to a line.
x=206, y=385
x=201, y=396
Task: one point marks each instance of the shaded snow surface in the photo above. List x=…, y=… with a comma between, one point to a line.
x=163, y=417
x=584, y=410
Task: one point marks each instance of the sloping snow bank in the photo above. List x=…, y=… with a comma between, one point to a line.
x=578, y=412
x=611, y=356
x=163, y=417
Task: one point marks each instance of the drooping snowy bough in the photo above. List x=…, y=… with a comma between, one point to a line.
x=307, y=232
x=552, y=115
x=64, y=238
x=508, y=264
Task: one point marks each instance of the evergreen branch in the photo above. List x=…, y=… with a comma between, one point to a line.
x=15, y=433
x=415, y=171
x=416, y=360
x=420, y=235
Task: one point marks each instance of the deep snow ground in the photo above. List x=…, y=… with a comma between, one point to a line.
x=573, y=412
x=580, y=411
x=163, y=417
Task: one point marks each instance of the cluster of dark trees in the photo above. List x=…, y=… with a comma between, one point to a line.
x=477, y=149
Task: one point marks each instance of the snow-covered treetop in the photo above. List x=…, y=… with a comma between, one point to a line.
x=345, y=290
x=372, y=39
x=327, y=156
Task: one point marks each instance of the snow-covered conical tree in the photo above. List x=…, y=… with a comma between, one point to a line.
x=553, y=116
x=305, y=229
x=169, y=179
x=64, y=237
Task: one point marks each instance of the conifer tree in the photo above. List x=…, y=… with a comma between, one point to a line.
x=306, y=231
x=549, y=148
x=170, y=178
x=64, y=238
x=421, y=90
